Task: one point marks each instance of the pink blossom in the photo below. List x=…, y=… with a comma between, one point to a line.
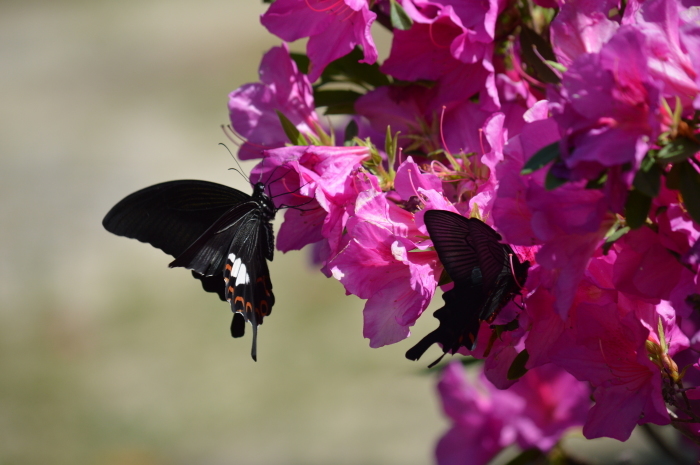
x=606, y=109
x=317, y=182
x=569, y=222
x=334, y=28
x=582, y=26
x=423, y=52
x=605, y=344
x=252, y=107
x=379, y=264
x=668, y=60
x=644, y=267
x=535, y=412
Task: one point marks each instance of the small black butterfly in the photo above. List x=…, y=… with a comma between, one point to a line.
x=223, y=235
x=480, y=266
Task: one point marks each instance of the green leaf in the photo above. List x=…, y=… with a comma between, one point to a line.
x=598, y=182
x=610, y=240
x=529, y=41
x=348, y=69
x=399, y=19
x=551, y=182
x=690, y=189
x=678, y=150
x=351, y=131
x=337, y=101
x=517, y=368
x=543, y=156
x=291, y=131
x=558, y=66
x=648, y=181
x=637, y=208
x=302, y=61
x=527, y=457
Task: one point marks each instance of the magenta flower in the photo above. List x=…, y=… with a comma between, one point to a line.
x=379, y=264
x=605, y=344
x=644, y=267
x=423, y=52
x=607, y=110
x=334, y=28
x=535, y=412
x=252, y=107
x=569, y=222
x=318, y=182
x=582, y=27
x=668, y=60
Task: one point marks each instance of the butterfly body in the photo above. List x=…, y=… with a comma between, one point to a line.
x=486, y=273
x=223, y=235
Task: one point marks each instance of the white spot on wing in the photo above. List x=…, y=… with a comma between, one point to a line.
x=242, y=277
x=235, y=268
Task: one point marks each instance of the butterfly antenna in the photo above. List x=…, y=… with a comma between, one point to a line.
x=512, y=270
x=268, y=182
x=234, y=159
x=296, y=207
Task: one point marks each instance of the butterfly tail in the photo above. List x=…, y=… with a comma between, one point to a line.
x=417, y=351
x=254, y=349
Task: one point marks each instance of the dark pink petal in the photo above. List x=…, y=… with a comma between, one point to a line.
x=409, y=177
x=581, y=27
x=644, y=267
x=334, y=28
x=300, y=228
x=252, y=107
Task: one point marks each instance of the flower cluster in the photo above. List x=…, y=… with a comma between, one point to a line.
x=570, y=128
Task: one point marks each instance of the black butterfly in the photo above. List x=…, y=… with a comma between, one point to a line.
x=480, y=267
x=223, y=235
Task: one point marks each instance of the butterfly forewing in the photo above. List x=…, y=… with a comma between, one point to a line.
x=449, y=233
x=171, y=215
x=223, y=235
x=206, y=255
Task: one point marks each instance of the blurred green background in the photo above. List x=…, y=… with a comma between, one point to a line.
x=106, y=355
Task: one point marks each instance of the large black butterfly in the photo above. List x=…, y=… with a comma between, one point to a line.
x=223, y=235
x=480, y=266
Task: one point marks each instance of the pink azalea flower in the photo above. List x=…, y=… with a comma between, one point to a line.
x=334, y=28
x=252, y=107
x=644, y=267
x=409, y=178
x=378, y=264
x=667, y=59
x=605, y=344
x=316, y=180
x=606, y=110
x=569, y=222
x=423, y=52
x=581, y=27
x=535, y=412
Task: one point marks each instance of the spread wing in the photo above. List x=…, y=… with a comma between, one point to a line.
x=172, y=215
